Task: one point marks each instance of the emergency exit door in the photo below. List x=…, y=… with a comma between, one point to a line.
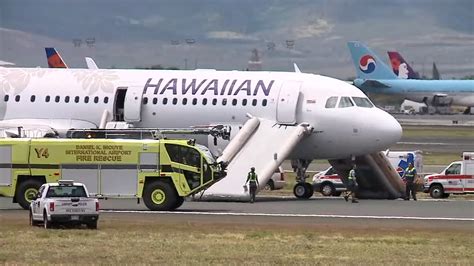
x=287, y=102
x=133, y=104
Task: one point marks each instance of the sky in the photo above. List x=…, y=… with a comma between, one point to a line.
x=221, y=34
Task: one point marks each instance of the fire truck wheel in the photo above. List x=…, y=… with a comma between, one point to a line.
x=436, y=191
x=179, y=202
x=160, y=196
x=26, y=192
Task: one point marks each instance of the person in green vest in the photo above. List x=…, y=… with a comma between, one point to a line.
x=252, y=179
x=351, y=186
x=409, y=177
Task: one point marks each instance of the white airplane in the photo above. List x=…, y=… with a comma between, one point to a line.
x=345, y=122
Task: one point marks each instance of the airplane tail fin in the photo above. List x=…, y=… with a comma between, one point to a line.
x=400, y=66
x=54, y=59
x=367, y=64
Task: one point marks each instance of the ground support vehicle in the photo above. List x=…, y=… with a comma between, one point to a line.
x=159, y=172
x=457, y=178
x=64, y=202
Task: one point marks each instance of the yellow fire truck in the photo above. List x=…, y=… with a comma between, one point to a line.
x=161, y=172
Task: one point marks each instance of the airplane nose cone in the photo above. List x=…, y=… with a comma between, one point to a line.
x=389, y=130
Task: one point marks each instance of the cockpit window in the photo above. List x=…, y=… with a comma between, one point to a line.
x=362, y=102
x=331, y=102
x=345, y=102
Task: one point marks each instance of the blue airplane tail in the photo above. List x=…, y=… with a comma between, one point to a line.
x=367, y=64
x=54, y=59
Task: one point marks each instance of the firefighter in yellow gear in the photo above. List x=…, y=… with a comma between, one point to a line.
x=351, y=186
x=409, y=177
x=252, y=179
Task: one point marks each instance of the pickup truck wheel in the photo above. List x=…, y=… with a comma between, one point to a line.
x=92, y=225
x=160, y=196
x=328, y=190
x=436, y=191
x=26, y=192
x=32, y=222
x=46, y=223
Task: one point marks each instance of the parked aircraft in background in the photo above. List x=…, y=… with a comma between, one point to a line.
x=400, y=67
x=374, y=76
x=56, y=61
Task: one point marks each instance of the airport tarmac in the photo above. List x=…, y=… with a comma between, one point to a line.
x=288, y=211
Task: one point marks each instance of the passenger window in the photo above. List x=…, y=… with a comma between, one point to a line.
x=214, y=101
x=234, y=102
x=86, y=99
x=47, y=98
x=254, y=102
x=76, y=99
x=57, y=98
x=185, y=101
x=96, y=99
x=204, y=101
x=32, y=98
x=244, y=102
x=155, y=100
x=345, y=102
x=331, y=102
x=454, y=169
x=264, y=102
x=165, y=101
x=66, y=99
x=17, y=98
x=224, y=101
x=195, y=101
x=145, y=100
x=362, y=102
x=6, y=98
x=175, y=101
x=106, y=99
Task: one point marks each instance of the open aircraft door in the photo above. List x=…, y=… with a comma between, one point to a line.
x=287, y=102
x=133, y=104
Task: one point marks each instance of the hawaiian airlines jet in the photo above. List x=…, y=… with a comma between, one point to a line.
x=373, y=75
x=344, y=121
x=400, y=67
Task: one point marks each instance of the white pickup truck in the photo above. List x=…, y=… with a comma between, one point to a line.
x=64, y=202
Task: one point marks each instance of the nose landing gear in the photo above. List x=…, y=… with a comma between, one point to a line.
x=302, y=189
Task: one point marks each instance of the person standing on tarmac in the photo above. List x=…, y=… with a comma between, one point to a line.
x=351, y=186
x=409, y=177
x=252, y=179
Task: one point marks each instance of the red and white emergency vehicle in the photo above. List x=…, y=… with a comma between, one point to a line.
x=457, y=178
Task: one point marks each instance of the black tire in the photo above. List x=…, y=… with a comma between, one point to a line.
x=92, y=225
x=32, y=222
x=47, y=224
x=269, y=186
x=436, y=191
x=160, y=196
x=303, y=190
x=337, y=193
x=26, y=192
x=179, y=202
x=327, y=189
x=445, y=195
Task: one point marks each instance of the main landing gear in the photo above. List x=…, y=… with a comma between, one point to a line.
x=302, y=189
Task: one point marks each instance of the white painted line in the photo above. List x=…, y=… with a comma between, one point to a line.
x=295, y=215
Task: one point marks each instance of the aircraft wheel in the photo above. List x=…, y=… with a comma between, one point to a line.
x=303, y=190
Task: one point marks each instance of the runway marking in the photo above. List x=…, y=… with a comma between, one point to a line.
x=295, y=215
x=429, y=143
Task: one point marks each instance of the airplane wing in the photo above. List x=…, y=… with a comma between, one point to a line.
x=441, y=95
x=370, y=83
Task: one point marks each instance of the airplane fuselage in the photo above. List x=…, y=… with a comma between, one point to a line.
x=78, y=98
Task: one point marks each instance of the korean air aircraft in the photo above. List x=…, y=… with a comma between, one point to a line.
x=374, y=76
x=343, y=120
